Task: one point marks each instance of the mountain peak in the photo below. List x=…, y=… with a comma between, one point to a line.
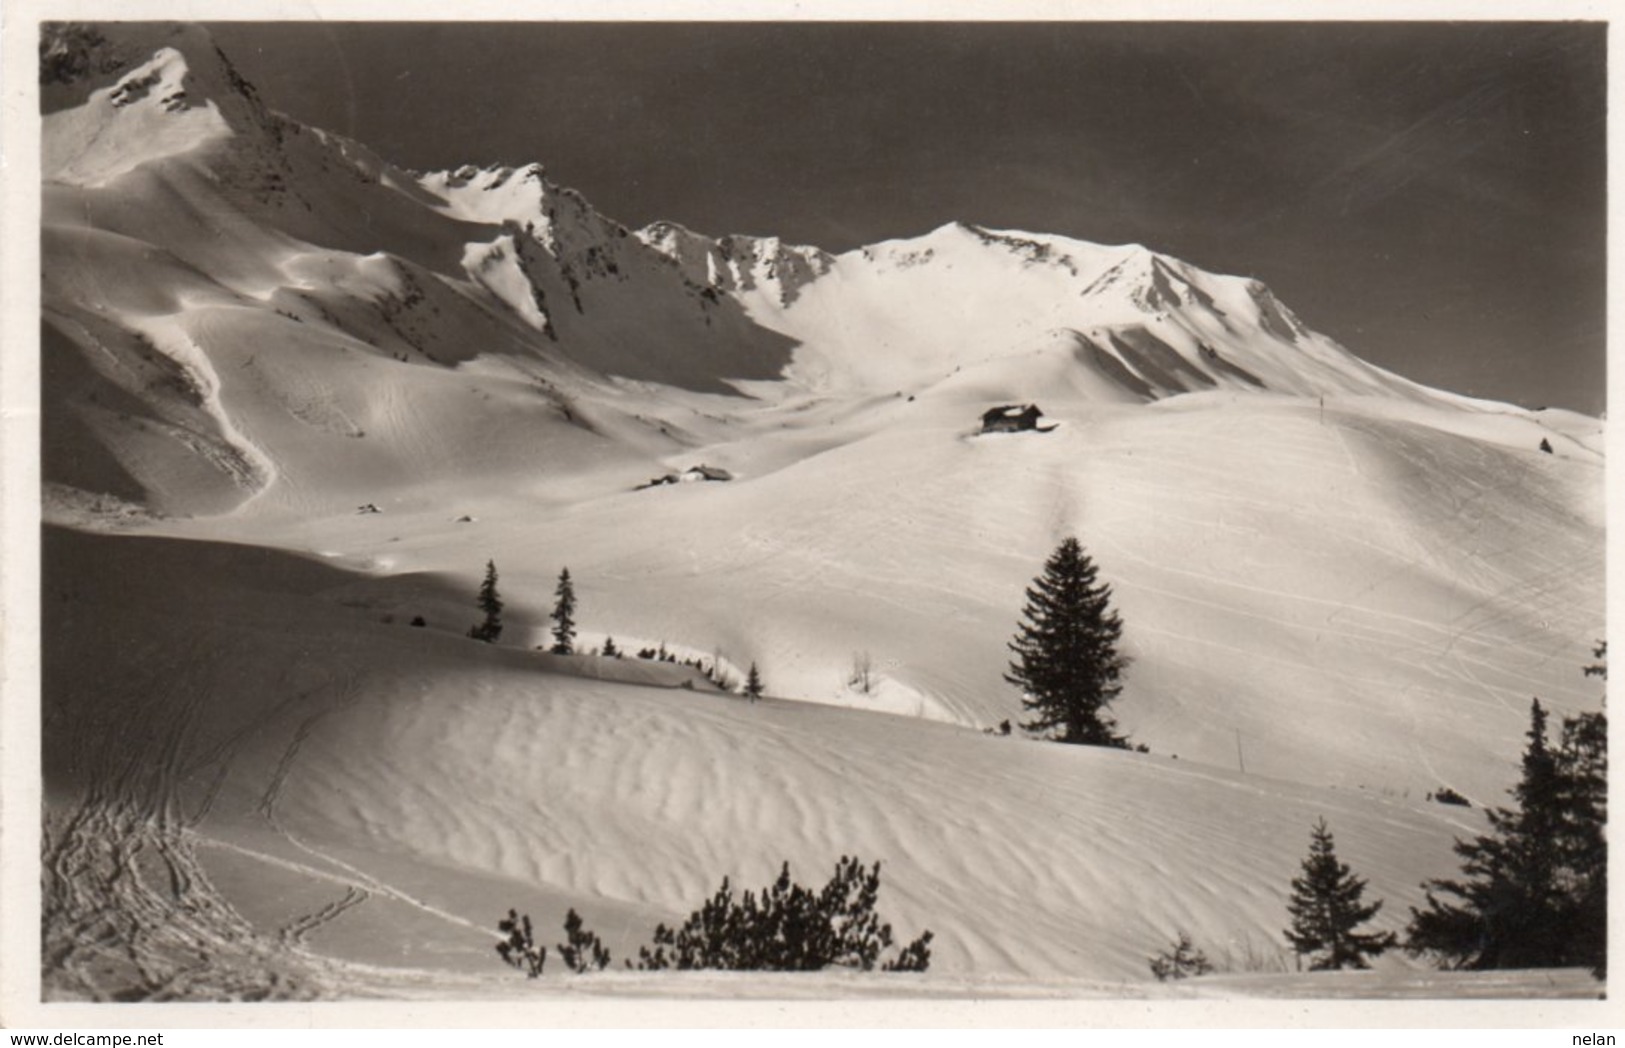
x=738, y=262
x=182, y=96
x=1273, y=315
x=1155, y=283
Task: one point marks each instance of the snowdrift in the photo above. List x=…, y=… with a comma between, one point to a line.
x=355, y=793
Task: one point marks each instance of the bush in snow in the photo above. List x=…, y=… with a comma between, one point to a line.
x=519, y=949
x=1446, y=795
x=787, y=928
x=916, y=956
x=1184, y=961
x=584, y=951
x=862, y=676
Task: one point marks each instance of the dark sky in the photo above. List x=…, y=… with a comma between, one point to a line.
x=1431, y=195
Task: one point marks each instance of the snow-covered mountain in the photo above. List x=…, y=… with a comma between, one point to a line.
x=1344, y=581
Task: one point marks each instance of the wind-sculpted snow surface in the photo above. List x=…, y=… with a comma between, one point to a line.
x=329, y=792
x=1339, y=588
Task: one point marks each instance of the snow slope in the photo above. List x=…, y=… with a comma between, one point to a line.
x=1340, y=589
x=373, y=794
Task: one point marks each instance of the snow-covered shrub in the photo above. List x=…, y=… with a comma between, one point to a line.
x=915, y=957
x=1185, y=960
x=784, y=928
x=584, y=952
x=862, y=676
x=519, y=949
x=1446, y=795
x=787, y=927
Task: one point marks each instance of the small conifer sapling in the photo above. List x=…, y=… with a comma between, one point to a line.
x=519, y=949
x=1326, y=910
x=1183, y=962
x=582, y=951
x=564, y=610
x=489, y=628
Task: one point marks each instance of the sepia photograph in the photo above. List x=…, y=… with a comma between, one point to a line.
x=545, y=511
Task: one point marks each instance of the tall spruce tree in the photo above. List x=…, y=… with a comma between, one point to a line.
x=1067, y=664
x=1583, y=761
x=1326, y=909
x=1534, y=893
x=490, y=628
x=753, y=684
x=564, y=610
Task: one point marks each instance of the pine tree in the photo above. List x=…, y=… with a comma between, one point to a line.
x=1326, y=909
x=1583, y=849
x=610, y=650
x=564, y=609
x=753, y=684
x=519, y=949
x=582, y=951
x=1584, y=759
x=491, y=628
x=787, y=927
x=1067, y=663
x=1533, y=893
